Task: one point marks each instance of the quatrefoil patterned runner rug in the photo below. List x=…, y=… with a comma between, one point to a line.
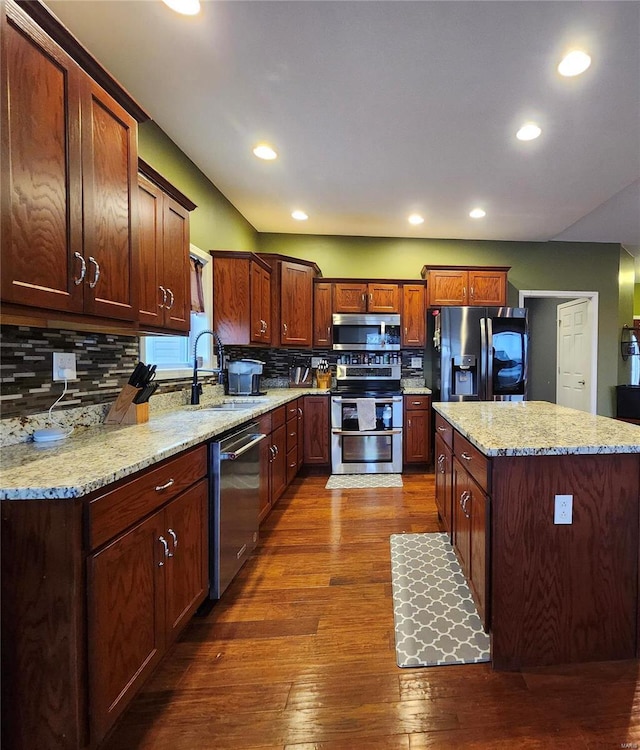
x=436, y=621
x=362, y=481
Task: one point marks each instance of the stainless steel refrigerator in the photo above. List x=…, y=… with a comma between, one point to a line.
x=477, y=353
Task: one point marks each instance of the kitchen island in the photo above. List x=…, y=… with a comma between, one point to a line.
x=549, y=592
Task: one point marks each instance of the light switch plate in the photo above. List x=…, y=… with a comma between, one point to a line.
x=416, y=362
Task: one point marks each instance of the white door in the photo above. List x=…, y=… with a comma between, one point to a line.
x=573, y=386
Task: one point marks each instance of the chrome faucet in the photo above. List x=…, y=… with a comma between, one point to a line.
x=196, y=388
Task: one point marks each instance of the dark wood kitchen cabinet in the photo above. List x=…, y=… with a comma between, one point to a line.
x=69, y=190
x=117, y=575
x=362, y=297
x=469, y=285
x=417, y=430
x=165, y=284
x=443, y=471
x=241, y=298
x=317, y=436
x=414, y=311
x=322, y=312
x=293, y=439
x=273, y=459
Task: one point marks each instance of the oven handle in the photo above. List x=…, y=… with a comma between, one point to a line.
x=341, y=399
x=366, y=432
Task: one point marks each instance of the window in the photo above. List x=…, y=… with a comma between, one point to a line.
x=174, y=354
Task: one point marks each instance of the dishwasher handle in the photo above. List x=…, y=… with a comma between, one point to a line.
x=233, y=455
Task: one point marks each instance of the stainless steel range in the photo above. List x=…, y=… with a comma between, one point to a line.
x=366, y=420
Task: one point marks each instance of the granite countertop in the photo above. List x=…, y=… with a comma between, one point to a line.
x=94, y=457
x=538, y=428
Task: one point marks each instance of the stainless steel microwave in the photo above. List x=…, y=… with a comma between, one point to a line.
x=366, y=332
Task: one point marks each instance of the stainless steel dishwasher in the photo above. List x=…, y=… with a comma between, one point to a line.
x=234, y=508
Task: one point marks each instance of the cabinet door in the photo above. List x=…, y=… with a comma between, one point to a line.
x=296, y=294
x=316, y=430
x=350, y=297
x=176, y=272
x=417, y=436
x=414, y=313
x=383, y=298
x=41, y=169
x=488, y=288
x=266, y=459
x=462, y=510
x=150, y=298
x=322, y=309
x=480, y=551
x=110, y=201
x=443, y=482
x=447, y=288
x=260, y=304
x=231, y=299
x=126, y=622
x=186, y=569
x=279, y=463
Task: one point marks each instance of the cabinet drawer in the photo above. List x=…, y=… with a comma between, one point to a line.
x=444, y=429
x=115, y=511
x=417, y=402
x=292, y=435
x=292, y=410
x=472, y=460
x=278, y=417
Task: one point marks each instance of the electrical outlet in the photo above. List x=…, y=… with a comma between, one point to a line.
x=315, y=362
x=416, y=362
x=563, y=510
x=64, y=366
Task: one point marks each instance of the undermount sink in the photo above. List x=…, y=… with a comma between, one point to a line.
x=235, y=405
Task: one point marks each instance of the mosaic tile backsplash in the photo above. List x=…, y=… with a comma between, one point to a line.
x=104, y=363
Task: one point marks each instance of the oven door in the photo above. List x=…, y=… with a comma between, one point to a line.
x=358, y=444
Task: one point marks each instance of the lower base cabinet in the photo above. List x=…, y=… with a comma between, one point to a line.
x=443, y=471
x=317, y=438
x=417, y=430
x=115, y=578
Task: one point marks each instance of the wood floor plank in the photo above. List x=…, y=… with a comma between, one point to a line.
x=299, y=654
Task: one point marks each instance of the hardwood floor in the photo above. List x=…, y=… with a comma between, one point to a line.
x=299, y=655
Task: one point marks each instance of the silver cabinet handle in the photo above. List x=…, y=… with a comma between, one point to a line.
x=464, y=292
x=165, y=486
x=471, y=292
x=276, y=450
x=272, y=451
x=170, y=305
x=96, y=275
x=371, y=298
x=285, y=329
x=464, y=499
x=174, y=536
x=405, y=330
x=441, y=463
x=466, y=456
x=166, y=550
x=164, y=297
x=441, y=428
x=416, y=403
x=83, y=269
x=299, y=412
x=328, y=331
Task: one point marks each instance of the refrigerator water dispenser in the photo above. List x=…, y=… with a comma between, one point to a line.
x=465, y=375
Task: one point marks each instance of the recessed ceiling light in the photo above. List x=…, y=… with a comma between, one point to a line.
x=477, y=213
x=574, y=63
x=415, y=219
x=528, y=132
x=299, y=215
x=264, y=151
x=185, y=7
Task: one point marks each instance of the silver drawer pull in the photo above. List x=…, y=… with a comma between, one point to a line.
x=165, y=486
x=441, y=428
x=416, y=403
x=166, y=550
x=96, y=275
x=241, y=551
x=466, y=456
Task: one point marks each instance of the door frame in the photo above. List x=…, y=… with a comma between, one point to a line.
x=523, y=294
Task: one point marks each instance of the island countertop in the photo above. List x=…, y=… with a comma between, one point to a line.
x=537, y=428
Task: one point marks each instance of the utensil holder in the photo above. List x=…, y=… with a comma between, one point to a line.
x=323, y=380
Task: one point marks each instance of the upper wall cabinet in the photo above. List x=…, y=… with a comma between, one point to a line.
x=413, y=315
x=165, y=285
x=361, y=297
x=291, y=299
x=69, y=195
x=322, y=310
x=241, y=298
x=466, y=285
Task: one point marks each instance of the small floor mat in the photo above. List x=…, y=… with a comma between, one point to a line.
x=436, y=621
x=362, y=481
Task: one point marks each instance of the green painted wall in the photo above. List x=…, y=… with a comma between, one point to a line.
x=627, y=279
x=215, y=224
x=534, y=265
x=636, y=301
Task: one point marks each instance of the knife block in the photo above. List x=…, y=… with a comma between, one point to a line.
x=124, y=411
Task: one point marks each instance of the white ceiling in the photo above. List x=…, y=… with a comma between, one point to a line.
x=380, y=109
